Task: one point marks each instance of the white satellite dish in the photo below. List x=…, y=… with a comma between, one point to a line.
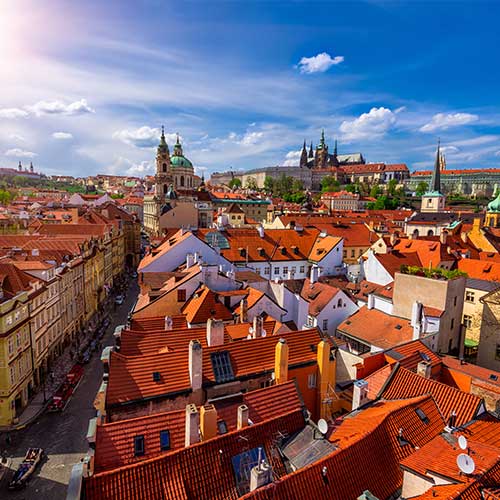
x=462, y=442
x=250, y=330
x=264, y=333
x=465, y=463
x=322, y=426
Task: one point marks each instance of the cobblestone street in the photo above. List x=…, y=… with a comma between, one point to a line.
x=62, y=435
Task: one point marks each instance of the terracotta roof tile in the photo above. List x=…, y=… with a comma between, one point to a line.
x=480, y=269
x=203, y=305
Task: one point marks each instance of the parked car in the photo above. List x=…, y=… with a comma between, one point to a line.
x=119, y=300
x=86, y=356
x=61, y=397
x=133, y=274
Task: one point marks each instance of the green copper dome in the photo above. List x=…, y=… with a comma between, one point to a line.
x=494, y=206
x=180, y=161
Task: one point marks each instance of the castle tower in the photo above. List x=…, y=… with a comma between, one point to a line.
x=303, y=156
x=321, y=157
x=311, y=151
x=163, y=176
x=434, y=200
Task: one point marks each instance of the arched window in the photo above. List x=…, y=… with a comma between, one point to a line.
x=415, y=233
x=339, y=303
x=165, y=188
x=430, y=232
x=164, y=167
x=182, y=180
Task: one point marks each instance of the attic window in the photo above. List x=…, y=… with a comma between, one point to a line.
x=164, y=440
x=283, y=250
x=242, y=251
x=421, y=415
x=398, y=327
x=424, y=356
x=494, y=377
x=138, y=446
x=156, y=376
x=222, y=426
x=348, y=322
x=261, y=251
x=295, y=249
x=314, y=347
x=221, y=365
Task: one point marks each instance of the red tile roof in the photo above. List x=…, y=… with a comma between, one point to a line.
x=476, y=372
x=411, y=354
x=203, y=305
x=480, y=269
x=318, y=294
x=404, y=383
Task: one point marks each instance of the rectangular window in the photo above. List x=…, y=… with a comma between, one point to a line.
x=18, y=339
x=181, y=295
x=13, y=373
x=138, y=446
x=165, y=440
x=267, y=270
x=310, y=321
x=311, y=380
x=467, y=321
x=325, y=325
x=452, y=323
x=455, y=302
x=11, y=345
x=469, y=296
x=294, y=269
x=302, y=269
x=285, y=269
x=353, y=253
x=345, y=254
x=276, y=270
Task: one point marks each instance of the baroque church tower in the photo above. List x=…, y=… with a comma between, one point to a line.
x=163, y=177
x=434, y=200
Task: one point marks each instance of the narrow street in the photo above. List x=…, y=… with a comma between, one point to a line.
x=62, y=435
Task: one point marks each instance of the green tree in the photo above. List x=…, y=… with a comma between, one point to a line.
x=391, y=186
x=234, y=183
x=5, y=197
x=329, y=184
x=297, y=186
x=375, y=191
x=269, y=184
x=251, y=184
x=422, y=188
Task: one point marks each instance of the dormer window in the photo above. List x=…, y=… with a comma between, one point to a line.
x=138, y=446
x=242, y=251
x=165, y=440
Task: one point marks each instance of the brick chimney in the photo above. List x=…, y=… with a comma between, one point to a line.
x=242, y=420
x=192, y=425
x=281, y=361
x=195, y=364
x=243, y=310
x=208, y=422
x=258, y=323
x=215, y=332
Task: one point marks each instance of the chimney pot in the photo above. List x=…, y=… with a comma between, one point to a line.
x=208, y=422
x=242, y=420
x=215, y=332
x=192, y=425
x=195, y=364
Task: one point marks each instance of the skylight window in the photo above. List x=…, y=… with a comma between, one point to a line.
x=421, y=414
x=165, y=440
x=424, y=356
x=221, y=364
x=493, y=377
x=222, y=426
x=138, y=446
x=217, y=240
x=156, y=376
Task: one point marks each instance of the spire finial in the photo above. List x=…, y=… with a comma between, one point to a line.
x=335, y=148
x=162, y=131
x=436, y=177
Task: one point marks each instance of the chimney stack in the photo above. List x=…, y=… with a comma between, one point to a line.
x=416, y=319
x=261, y=474
x=371, y=301
x=189, y=260
x=281, y=361
x=215, y=332
x=242, y=420
x=314, y=273
x=243, y=310
x=393, y=239
x=443, y=236
x=208, y=422
x=327, y=365
x=260, y=230
x=192, y=425
x=258, y=323
x=424, y=369
x=195, y=364
x=359, y=394
x=168, y=323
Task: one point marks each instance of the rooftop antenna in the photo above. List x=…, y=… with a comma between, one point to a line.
x=462, y=442
x=466, y=464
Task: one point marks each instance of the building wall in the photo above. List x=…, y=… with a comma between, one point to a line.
x=488, y=354
x=183, y=214
x=335, y=312
x=374, y=272
x=473, y=312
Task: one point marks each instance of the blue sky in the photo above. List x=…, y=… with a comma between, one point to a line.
x=85, y=86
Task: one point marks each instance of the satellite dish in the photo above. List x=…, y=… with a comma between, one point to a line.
x=322, y=426
x=250, y=330
x=465, y=463
x=462, y=442
x=264, y=333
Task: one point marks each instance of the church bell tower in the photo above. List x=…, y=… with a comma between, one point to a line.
x=163, y=177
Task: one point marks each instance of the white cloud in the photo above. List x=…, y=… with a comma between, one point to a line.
x=369, y=125
x=442, y=121
x=251, y=138
x=20, y=153
x=449, y=149
x=13, y=113
x=17, y=138
x=143, y=137
x=60, y=108
x=62, y=136
x=292, y=158
x=319, y=63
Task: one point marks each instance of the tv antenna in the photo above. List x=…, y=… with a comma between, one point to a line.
x=466, y=464
x=462, y=442
x=323, y=426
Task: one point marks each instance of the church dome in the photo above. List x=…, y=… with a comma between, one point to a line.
x=180, y=161
x=494, y=206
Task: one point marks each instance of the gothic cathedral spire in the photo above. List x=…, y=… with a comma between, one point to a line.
x=436, y=174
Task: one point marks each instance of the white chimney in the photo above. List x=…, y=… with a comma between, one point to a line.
x=168, y=323
x=424, y=369
x=371, y=301
x=195, y=364
x=314, y=273
x=190, y=260
x=416, y=319
x=215, y=332
x=443, y=236
x=197, y=257
x=192, y=425
x=261, y=474
x=359, y=394
x=260, y=230
x=242, y=420
x=35, y=252
x=258, y=323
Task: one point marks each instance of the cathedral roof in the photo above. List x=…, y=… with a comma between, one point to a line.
x=180, y=161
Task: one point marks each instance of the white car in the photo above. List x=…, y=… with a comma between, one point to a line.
x=119, y=300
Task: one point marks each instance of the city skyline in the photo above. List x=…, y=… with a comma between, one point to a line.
x=245, y=83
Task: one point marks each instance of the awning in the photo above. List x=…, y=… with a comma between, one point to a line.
x=471, y=343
